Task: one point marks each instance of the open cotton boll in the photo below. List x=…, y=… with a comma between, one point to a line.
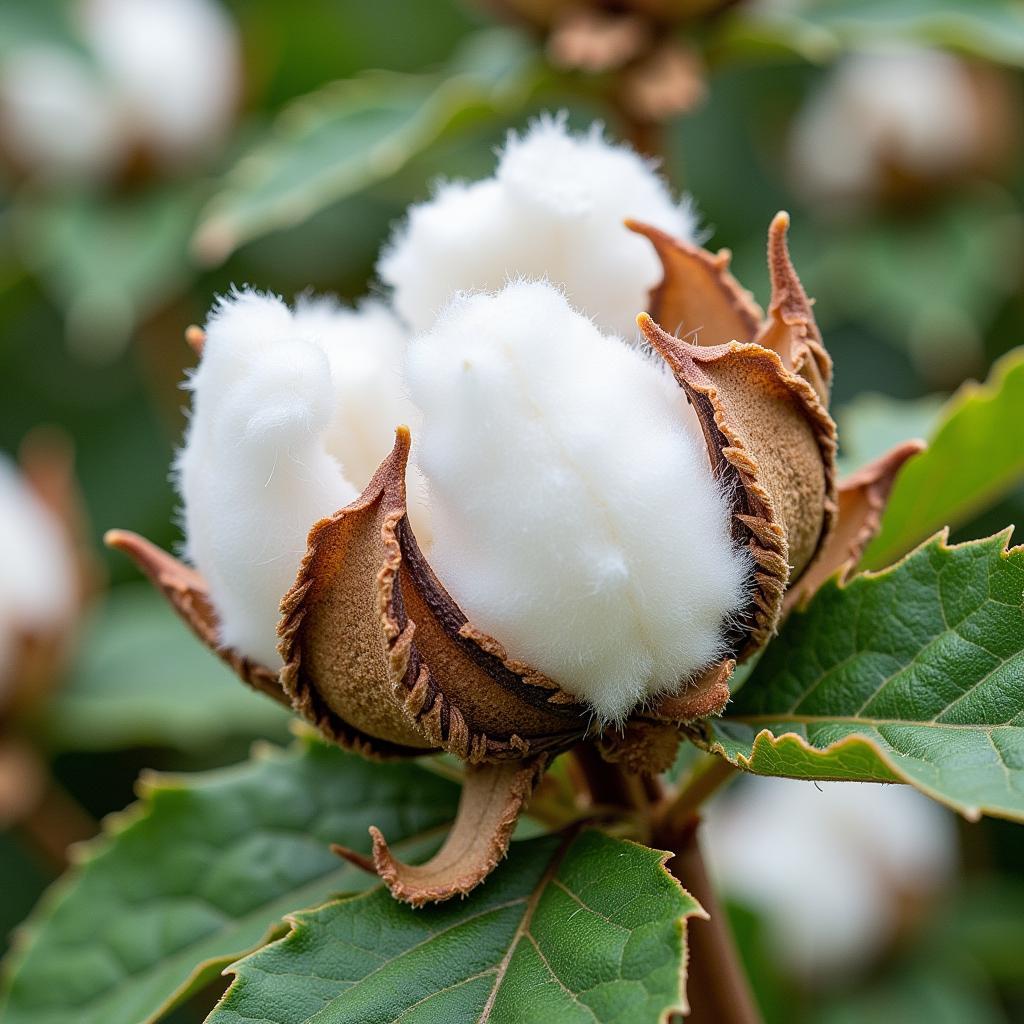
x=903, y=107
x=575, y=515
x=254, y=474
x=39, y=582
x=57, y=116
x=554, y=209
x=175, y=63
x=829, y=864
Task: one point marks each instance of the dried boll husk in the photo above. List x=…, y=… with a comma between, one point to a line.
x=761, y=398
x=372, y=640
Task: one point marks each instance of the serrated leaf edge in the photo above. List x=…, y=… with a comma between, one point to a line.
x=767, y=739
x=297, y=920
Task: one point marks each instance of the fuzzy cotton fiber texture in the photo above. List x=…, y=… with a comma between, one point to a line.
x=575, y=514
x=554, y=209
x=38, y=585
x=291, y=413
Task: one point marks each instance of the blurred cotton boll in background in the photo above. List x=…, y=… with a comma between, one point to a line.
x=882, y=120
x=57, y=117
x=158, y=77
x=576, y=518
x=175, y=65
x=554, y=209
x=39, y=584
x=831, y=866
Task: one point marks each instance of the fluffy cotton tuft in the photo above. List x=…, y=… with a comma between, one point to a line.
x=255, y=473
x=366, y=350
x=828, y=863
x=38, y=585
x=575, y=514
x=554, y=209
x=904, y=106
x=175, y=64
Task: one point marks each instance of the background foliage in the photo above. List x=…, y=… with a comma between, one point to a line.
x=350, y=110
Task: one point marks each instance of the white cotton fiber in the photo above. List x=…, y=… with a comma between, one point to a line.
x=39, y=583
x=175, y=64
x=255, y=473
x=554, y=209
x=366, y=350
x=575, y=515
x=829, y=864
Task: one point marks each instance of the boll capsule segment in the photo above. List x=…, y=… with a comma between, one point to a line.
x=378, y=652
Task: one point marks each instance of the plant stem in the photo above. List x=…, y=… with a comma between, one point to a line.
x=37, y=806
x=716, y=987
x=608, y=784
x=675, y=816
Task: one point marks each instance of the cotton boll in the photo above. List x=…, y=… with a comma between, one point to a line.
x=57, y=116
x=828, y=864
x=175, y=65
x=554, y=210
x=38, y=585
x=255, y=474
x=902, y=108
x=576, y=518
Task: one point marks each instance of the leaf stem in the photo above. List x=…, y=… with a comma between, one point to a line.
x=608, y=785
x=707, y=776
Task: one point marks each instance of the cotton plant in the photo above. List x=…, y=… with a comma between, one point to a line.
x=618, y=515
x=160, y=78
x=558, y=486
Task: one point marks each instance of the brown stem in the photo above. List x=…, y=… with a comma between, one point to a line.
x=608, y=784
x=717, y=988
x=37, y=806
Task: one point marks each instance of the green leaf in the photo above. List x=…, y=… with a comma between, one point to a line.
x=585, y=929
x=107, y=261
x=990, y=29
x=202, y=871
x=911, y=675
x=141, y=679
x=352, y=134
x=974, y=457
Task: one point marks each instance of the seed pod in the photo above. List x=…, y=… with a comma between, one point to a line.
x=379, y=656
